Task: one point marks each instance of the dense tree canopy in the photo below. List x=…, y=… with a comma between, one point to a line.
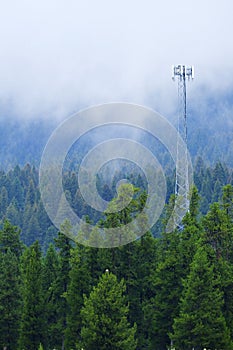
x=162, y=289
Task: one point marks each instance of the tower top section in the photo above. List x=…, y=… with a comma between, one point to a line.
x=182, y=72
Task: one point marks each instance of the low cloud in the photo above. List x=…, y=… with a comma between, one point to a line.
x=60, y=56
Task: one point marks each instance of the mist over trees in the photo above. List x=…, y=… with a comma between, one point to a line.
x=210, y=132
x=164, y=289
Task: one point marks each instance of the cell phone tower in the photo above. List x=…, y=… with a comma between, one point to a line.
x=182, y=186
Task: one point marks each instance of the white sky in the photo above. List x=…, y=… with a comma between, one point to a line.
x=57, y=56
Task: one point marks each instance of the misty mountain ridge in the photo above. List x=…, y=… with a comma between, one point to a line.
x=210, y=135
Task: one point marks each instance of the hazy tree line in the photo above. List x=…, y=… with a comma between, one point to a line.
x=173, y=290
x=209, y=137
x=20, y=197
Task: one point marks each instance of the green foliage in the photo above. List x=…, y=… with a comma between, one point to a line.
x=78, y=286
x=10, y=239
x=225, y=269
x=194, y=204
x=20, y=200
x=60, y=286
x=217, y=232
x=161, y=309
x=104, y=317
x=145, y=262
x=227, y=200
x=50, y=271
x=201, y=323
x=32, y=323
x=10, y=300
x=41, y=297
x=3, y=200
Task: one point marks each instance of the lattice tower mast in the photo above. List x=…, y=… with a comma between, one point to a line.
x=182, y=73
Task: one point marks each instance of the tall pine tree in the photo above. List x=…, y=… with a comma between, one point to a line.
x=80, y=282
x=201, y=323
x=104, y=317
x=32, y=324
x=61, y=284
x=10, y=300
x=49, y=279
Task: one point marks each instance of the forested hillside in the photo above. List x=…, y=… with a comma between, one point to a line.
x=210, y=130
x=20, y=197
x=165, y=288
x=144, y=295
x=116, y=175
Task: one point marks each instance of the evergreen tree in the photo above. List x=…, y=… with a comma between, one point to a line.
x=10, y=300
x=12, y=213
x=166, y=287
x=31, y=194
x=201, y=323
x=217, y=231
x=175, y=253
x=50, y=299
x=10, y=239
x=220, y=174
x=227, y=200
x=217, y=192
x=194, y=204
x=104, y=317
x=32, y=324
x=199, y=171
x=128, y=270
x=4, y=201
x=60, y=286
x=145, y=263
x=80, y=282
x=206, y=190
x=225, y=269
x=44, y=222
x=49, y=237
x=29, y=219
x=17, y=191
x=225, y=265
x=190, y=234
